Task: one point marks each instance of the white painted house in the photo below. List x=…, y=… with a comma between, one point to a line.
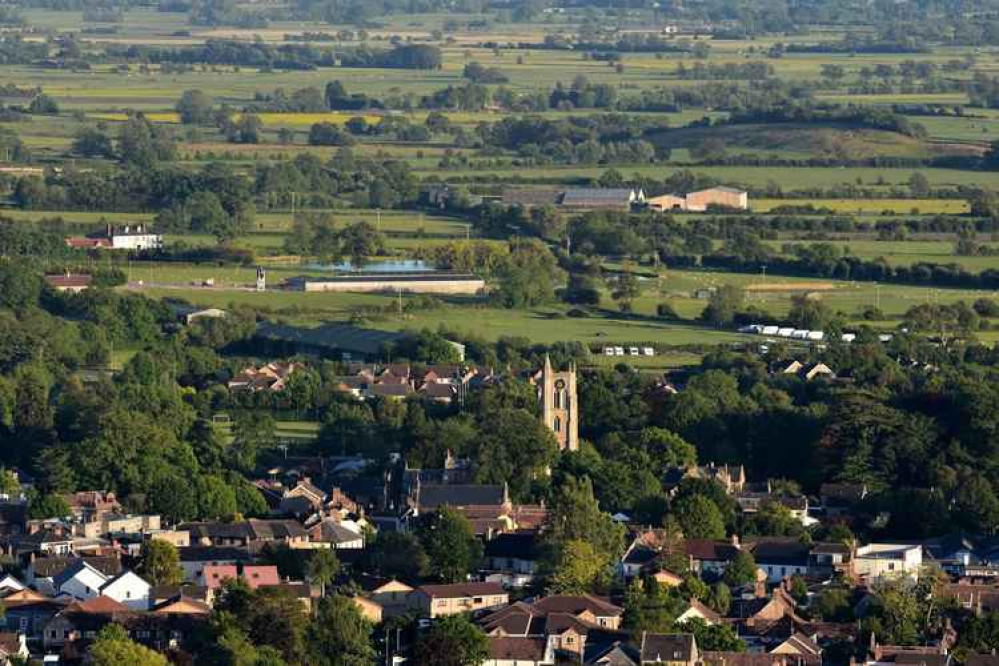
x=887, y=560
x=80, y=581
x=128, y=588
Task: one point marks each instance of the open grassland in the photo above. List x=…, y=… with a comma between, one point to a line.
x=603, y=326
x=905, y=253
x=870, y=206
x=787, y=178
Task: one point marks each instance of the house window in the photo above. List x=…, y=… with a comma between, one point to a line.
x=23, y=624
x=441, y=603
x=569, y=640
x=557, y=424
x=891, y=566
x=477, y=600
x=558, y=399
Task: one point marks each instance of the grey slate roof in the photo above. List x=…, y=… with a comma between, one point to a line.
x=432, y=497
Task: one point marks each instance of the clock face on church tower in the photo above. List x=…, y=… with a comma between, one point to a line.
x=560, y=384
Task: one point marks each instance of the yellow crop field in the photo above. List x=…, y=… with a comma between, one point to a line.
x=870, y=206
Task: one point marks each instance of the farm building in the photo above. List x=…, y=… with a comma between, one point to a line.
x=602, y=199
x=728, y=197
x=701, y=200
x=423, y=283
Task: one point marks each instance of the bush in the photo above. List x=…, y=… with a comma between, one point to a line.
x=667, y=311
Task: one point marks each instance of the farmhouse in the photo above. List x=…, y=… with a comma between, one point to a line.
x=420, y=283
x=127, y=237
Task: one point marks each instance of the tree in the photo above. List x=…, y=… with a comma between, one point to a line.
x=49, y=506
x=113, y=648
x=360, y=240
x=515, y=448
x=699, y=517
x=809, y=313
x=247, y=129
x=625, y=289
x=328, y=134
x=919, y=185
x=216, y=500
x=142, y=144
x=527, y=276
x=581, y=290
x=451, y=545
x=723, y=305
x=576, y=516
x=92, y=142
x=323, y=568
x=577, y=570
x=160, y=563
x=194, y=108
x=715, y=637
x=741, y=570
x=453, y=640
x=44, y=105
x=398, y=555
x=339, y=635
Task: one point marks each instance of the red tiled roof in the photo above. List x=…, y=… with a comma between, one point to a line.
x=99, y=605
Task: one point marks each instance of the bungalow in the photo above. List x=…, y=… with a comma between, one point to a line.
x=439, y=600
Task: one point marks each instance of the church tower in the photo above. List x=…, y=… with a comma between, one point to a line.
x=558, y=405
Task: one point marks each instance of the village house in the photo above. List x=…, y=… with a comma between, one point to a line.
x=511, y=558
x=439, y=600
x=392, y=596
x=90, y=505
x=519, y=651
x=566, y=623
x=194, y=559
x=670, y=649
x=129, y=589
x=271, y=377
x=27, y=612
